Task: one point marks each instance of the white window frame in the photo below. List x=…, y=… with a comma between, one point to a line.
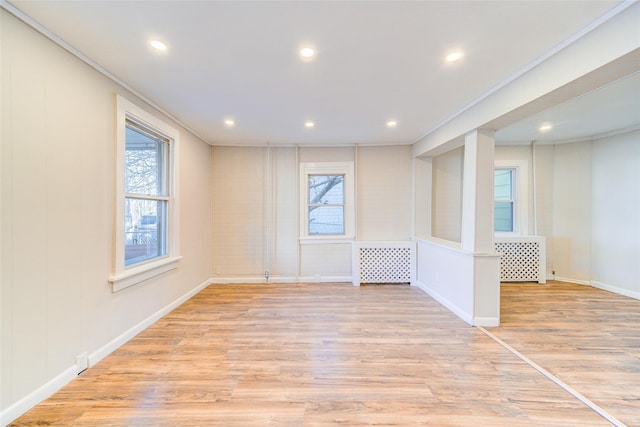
x=520, y=198
x=122, y=276
x=327, y=168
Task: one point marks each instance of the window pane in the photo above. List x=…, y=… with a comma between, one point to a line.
x=326, y=189
x=503, y=220
x=146, y=164
x=503, y=184
x=145, y=225
x=326, y=219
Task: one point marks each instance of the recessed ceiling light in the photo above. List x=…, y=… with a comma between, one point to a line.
x=229, y=123
x=545, y=127
x=454, y=56
x=392, y=124
x=158, y=45
x=309, y=124
x=307, y=52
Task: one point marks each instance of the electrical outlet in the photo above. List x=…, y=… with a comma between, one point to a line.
x=266, y=275
x=217, y=269
x=82, y=362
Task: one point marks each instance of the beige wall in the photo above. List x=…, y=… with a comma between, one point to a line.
x=256, y=210
x=57, y=215
x=446, y=214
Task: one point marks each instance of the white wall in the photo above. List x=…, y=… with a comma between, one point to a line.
x=256, y=210
x=615, y=218
x=572, y=211
x=384, y=191
x=57, y=219
x=446, y=214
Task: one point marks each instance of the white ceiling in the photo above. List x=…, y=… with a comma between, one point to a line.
x=375, y=61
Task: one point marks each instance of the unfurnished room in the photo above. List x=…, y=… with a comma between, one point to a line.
x=315, y=213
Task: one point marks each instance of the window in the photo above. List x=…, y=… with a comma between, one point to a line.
x=504, y=199
x=146, y=239
x=510, y=197
x=146, y=194
x=326, y=204
x=327, y=201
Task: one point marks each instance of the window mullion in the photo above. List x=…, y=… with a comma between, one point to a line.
x=146, y=197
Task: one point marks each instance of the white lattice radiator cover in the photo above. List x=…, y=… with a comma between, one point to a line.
x=383, y=262
x=523, y=258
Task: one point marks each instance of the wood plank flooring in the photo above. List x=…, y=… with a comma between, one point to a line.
x=587, y=337
x=315, y=355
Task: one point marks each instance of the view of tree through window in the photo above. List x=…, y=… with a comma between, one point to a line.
x=326, y=204
x=503, y=199
x=147, y=195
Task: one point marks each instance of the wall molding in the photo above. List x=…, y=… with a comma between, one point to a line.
x=256, y=279
x=570, y=280
x=616, y=289
x=38, y=395
x=445, y=302
x=50, y=387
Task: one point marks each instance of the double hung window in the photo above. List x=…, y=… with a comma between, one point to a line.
x=146, y=227
x=327, y=201
x=504, y=200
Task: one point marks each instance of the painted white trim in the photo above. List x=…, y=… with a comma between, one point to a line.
x=569, y=280
x=445, y=302
x=141, y=273
x=328, y=168
x=615, y=289
x=256, y=279
x=324, y=279
x=329, y=240
x=99, y=354
x=38, y=395
x=124, y=276
x=488, y=322
x=66, y=376
x=240, y=280
x=521, y=214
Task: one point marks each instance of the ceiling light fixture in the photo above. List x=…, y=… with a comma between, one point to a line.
x=392, y=124
x=229, y=123
x=307, y=52
x=309, y=124
x=454, y=56
x=545, y=127
x=158, y=45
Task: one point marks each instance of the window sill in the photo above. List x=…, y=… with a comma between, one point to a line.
x=143, y=272
x=325, y=240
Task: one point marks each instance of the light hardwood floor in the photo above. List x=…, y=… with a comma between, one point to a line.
x=587, y=337
x=324, y=354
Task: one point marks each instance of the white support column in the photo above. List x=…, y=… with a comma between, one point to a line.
x=477, y=192
x=477, y=226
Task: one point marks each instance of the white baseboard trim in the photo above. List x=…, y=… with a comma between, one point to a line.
x=43, y=392
x=325, y=279
x=279, y=279
x=445, y=302
x=615, y=289
x=114, y=344
x=488, y=322
x=570, y=280
x=237, y=280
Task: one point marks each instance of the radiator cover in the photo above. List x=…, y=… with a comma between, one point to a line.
x=383, y=262
x=523, y=258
